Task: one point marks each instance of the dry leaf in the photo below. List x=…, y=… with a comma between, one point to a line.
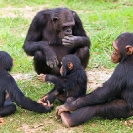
x=93, y=125
x=130, y=121
x=1, y=120
x=36, y=126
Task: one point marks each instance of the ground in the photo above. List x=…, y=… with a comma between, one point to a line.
x=95, y=78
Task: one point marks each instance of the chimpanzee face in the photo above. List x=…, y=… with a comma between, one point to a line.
x=63, y=21
x=116, y=55
x=66, y=68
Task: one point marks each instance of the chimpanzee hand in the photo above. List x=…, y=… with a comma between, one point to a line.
x=41, y=77
x=45, y=104
x=70, y=41
x=52, y=62
x=51, y=57
x=60, y=109
x=42, y=100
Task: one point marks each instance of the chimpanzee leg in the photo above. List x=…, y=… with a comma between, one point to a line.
x=55, y=93
x=40, y=65
x=114, y=109
x=8, y=108
x=51, y=96
x=83, y=54
x=77, y=117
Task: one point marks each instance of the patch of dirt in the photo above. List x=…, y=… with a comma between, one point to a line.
x=95, y=77
x=40, y=128
x=46, y=125
x=21, y=76
x=26, y=12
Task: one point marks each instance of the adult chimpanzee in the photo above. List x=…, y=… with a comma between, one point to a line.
x=70, y=85
x=53, y=34
x=115, y=98
x=8, y=84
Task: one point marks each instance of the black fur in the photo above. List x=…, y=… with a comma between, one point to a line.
x=72, y=84
x=8, y=84
x=113, y=100
x=45, y=36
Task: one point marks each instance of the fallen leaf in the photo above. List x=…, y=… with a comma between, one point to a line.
x=93, y=125
x=1, y=120
x=130, y=121
x=36, y=126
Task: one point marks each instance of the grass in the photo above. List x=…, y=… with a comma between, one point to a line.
x=103, y=22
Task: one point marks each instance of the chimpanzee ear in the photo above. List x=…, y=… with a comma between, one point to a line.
x=129, y=50
x=70, y=65
x=73, y=13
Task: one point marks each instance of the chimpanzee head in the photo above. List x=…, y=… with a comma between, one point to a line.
x=70, y=63
x=63, y=21
x=6, y=62
x=123, y=47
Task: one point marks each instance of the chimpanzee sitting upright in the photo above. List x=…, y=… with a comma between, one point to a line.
x=70, y=85
x=8, y=84
x=115, y=98
x=53, y=34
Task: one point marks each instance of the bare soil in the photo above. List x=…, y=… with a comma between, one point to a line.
x=95, y=77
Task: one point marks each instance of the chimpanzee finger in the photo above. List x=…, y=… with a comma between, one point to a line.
x=65, y=41
x=56, y=62
x=39, y=78
x=49, y=104
x=57, y=115
x=68, y=44
x=58, y=110
x=44, y=104
x=50, y=63
x=66, y=37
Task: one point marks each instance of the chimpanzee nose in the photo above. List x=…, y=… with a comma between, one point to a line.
x=68, y=32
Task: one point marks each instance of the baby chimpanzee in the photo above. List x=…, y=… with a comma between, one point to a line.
x=70, y=85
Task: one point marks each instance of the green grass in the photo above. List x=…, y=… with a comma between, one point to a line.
x=103, y=22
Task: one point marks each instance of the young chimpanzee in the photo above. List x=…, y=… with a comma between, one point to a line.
x=70, y=85
x=115, y=98
x=9, y=89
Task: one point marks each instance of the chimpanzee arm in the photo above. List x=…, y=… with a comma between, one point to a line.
x=26, y=103
x=59, y=81
x=35, y=40
x=79, y=38
x=110, y=90
x=78, y=30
